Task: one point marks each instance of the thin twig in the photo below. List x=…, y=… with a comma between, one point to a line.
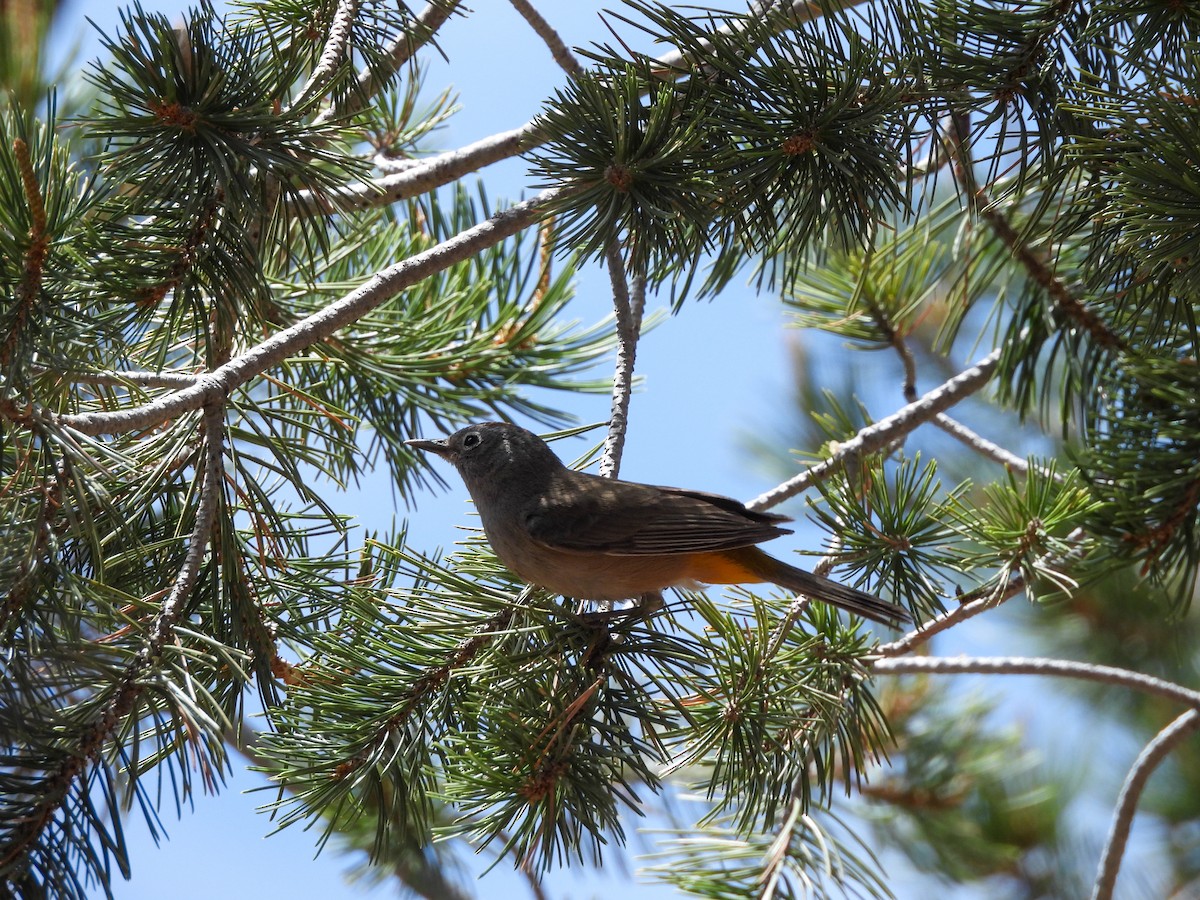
x=117, y=378
x=162, y=632
x=627, y=305
x=426, y=175
x=562, y=55
x=781, y=847
x=1040, y=270
x=885, y=431
x=372, y=78
x=982, y=445
x=981, y=601
x=1036, y=263
x=215, y=386
x=628, y=309
x=435, y=677
x=952, y=427
x=900, y=345
x=334, y=51
x=1131, y=791
x=977, y=601
x=1035, y=665
x=37, y=250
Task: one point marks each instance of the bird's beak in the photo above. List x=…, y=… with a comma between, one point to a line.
x=440, y=447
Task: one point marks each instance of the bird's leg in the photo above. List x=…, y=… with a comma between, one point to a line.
x=650, y=603
x=647, y=605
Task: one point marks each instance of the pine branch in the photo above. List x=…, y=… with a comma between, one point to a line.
x=426, y=175
x=982, y=445
x=1148, y=760
x=1131, y=791
x=952, y=427
x=373, y=78
x=1019, y=665
x=970, y=607
x=334, y=53
x=170, y=380
x=887, y=430
x=974, y=603
x=806, y=855
x=38, y=248
x=628, y=308
x=955, y=141
x=782, y=14
x=434, y=678
x=561, y=53
x=215, y=386
x=892, y=335
x=57, y=785
x=1040, y=270
x=533, y=731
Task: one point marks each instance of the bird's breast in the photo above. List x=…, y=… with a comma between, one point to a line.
x=588, y=576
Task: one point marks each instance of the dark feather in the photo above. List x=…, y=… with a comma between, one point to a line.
x=623, y=518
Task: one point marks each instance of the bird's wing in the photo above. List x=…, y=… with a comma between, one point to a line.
x=620, y=518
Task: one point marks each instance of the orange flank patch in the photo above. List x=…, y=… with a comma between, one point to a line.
x=721, y=567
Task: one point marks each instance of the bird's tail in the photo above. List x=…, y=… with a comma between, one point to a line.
x=817, y=587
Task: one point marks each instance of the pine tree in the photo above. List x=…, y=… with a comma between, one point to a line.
x=234, y=282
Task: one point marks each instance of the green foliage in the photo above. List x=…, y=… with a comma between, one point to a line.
x=775, y=144
x=782, y=712
x=526, y=725
x=48, y=252
x=870, y=297
x=296, y=29
x=541, y=728
x=633, y=175
x=907, y=506
x=1143, y=464
x=202, y=115
x=199, y=227
x=923, y=179
x=973, y=802
x=810, y=856
x=1025, y=527
x=816, y=131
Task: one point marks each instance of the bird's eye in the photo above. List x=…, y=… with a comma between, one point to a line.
x=470, y=440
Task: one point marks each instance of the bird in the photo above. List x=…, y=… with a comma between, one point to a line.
x=592, y=538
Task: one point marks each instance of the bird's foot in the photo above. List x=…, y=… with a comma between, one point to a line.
x=647, y=605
